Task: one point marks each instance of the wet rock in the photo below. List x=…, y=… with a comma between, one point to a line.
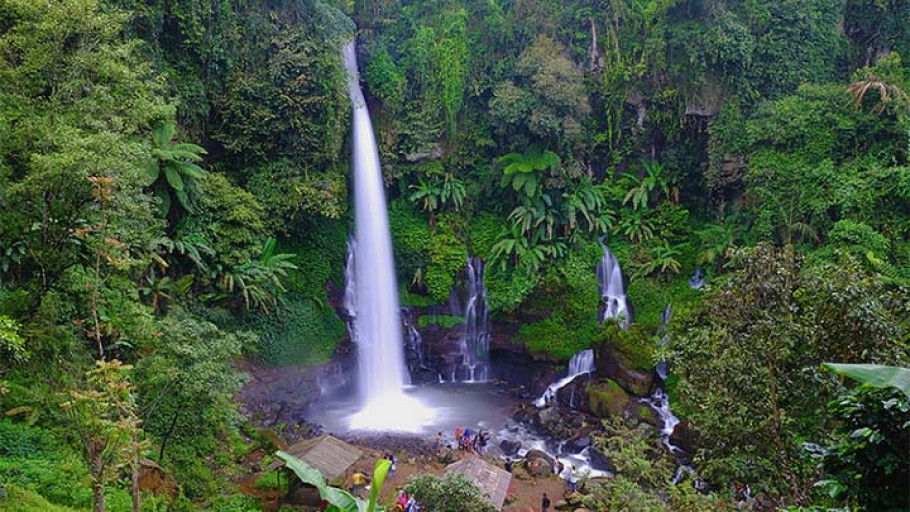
x=509, y=448
x=599, y=459
x=548, y=415
x=607, y=398
x=634, y=381
x=538, y=463
x=647, y=415
x=682, y=436
x=576, y=445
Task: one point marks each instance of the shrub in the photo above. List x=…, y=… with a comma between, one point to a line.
x=454, y=493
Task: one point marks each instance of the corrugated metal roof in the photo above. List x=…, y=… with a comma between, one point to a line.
x=491, y=480
x=330, y=455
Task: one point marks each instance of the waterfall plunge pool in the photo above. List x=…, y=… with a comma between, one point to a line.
x=420, y=410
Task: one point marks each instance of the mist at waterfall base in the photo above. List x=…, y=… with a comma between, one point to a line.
x=382, y=372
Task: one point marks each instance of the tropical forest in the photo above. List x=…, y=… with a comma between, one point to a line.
x=454, y=255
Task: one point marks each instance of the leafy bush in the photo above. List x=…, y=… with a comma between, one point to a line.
x=445, y=321
x=453, y=493
x=552, y=338
x=305, y=332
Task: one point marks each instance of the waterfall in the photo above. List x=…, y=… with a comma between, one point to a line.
x=697, y=281
x=475, y=341
x=350, y=284
x=581, y=363
x=382, y=372
x=610, y=285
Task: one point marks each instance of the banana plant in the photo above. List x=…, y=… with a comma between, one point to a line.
x=339, y=500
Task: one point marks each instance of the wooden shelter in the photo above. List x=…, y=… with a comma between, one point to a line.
x=492, y=480
x=330, y=455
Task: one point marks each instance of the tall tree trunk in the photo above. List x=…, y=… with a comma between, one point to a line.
x=134, y=474
x=97, y=472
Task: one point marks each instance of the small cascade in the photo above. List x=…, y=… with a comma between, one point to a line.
x=697, y=281
x=665, y=317
x=350, y=282
x=612, y=289
x=581, y=363
x=475, y=341
x=659, y=401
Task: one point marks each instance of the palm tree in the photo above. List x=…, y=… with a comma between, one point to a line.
x=174, y=170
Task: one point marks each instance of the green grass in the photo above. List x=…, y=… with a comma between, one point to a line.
x=19, y=499
x=446, y=321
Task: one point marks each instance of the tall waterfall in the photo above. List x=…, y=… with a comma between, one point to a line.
x=610, y=285
x=581, y=363
x=475, y=342
x=382, y=371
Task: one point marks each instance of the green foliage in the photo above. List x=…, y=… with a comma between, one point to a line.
x=339, y=500
x=555, y=339
x=187, y=383
x=867, y=463
x=444, y=321
x=752, y=351
x=447, y=255
x=304, y=332
x=875, y=375
x=12, y=344
x=230, y=219
x=453, y=493
x=174, y=170
x=643, y=474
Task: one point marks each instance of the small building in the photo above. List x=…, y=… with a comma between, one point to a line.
x=330, y=455
x=492, y=480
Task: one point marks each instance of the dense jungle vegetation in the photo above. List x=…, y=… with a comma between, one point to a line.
x=174, y=198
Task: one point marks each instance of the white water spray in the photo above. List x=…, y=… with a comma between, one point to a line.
x=611, y=287
x=581, y=363
x=382, y=370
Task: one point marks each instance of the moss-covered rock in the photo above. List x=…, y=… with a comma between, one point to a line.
x=607, y=398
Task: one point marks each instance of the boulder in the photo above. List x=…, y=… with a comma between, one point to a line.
x=646, y=414
x=548, y=415
x=599, y=460
x=681, y=436
x=538, y=463
x=607, y=398
x=509, y=448
x=577, y=444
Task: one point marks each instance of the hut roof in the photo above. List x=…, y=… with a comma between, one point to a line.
x=330, y=455
x=493, y=481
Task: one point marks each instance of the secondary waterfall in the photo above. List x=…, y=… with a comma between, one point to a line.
x=612, y=290
x=475, y=342
x=382, y=372
x=581, y=363
x=350, y=283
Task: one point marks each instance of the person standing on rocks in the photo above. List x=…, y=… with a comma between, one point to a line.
x=545, y=503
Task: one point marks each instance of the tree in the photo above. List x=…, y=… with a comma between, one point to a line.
x=747, y=356
x=104, y=416
x=867, y=464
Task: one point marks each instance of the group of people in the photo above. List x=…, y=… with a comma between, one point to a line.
x=406, y=503
x=471, y=441
x=570, y=474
